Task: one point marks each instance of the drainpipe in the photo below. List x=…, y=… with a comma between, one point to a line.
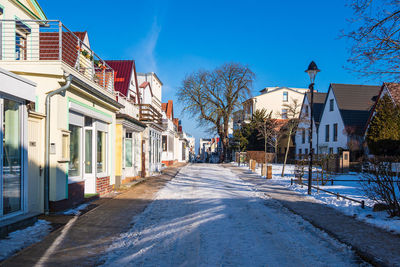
x=47, y=145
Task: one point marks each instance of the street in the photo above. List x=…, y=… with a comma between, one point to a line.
x=207, y=216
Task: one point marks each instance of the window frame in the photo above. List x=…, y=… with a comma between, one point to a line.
x=335, y=132
x=331, y=105
x=327, y=133
x=285, y=96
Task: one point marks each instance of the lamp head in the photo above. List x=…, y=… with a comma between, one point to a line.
x=312, y=71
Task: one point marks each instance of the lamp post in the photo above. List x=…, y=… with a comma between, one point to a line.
x=312, y=72
x=240, y=149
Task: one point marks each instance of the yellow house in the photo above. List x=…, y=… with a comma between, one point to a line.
x=73, y=116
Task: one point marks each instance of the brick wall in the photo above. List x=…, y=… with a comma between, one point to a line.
x=76, y=196
x=103, y=185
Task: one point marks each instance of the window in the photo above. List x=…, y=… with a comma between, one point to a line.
x=20, y=46
x=101, y=151
x=74, y=166
x=331, y=105
x=303, y=136
x=128, y=150
x=335, y=132
x=88, y=150
x=300, y=151
x=306, y=110
x=12, y=157
x=65, y=146
x=164, y=143
x=284, y=114
x=327, y=133
x=308, y=136
x=331, y=150
x=285, y=97
x=306, y=151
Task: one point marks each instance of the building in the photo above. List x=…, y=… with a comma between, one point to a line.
x=169, y=134
x=345, y=115
x=129, y=130
x=302, y=135
x=273, y=100
x=77, y=128
x=204, y=149
x=150, y=113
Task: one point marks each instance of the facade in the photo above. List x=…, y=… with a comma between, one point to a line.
x=150, y=113
x=346, y=111
x=129, y=130
x=302, y=135
x=204, y=148
x=168, y=156
x=273, y=100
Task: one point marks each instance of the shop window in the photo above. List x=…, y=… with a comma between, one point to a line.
x=74, y=166
x=101, y=151
x=12, y=157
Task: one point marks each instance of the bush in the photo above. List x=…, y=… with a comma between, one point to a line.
x=382, y=184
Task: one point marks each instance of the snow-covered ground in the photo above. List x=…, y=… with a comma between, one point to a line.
x=207, y=216
x=349, y=189
x=20, y=239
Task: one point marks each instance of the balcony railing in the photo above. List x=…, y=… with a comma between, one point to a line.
x=147, y=113
x=36, y=40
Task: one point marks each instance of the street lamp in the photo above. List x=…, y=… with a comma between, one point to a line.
x=312, y=72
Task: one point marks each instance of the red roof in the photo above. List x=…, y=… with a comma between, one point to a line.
x=122, y=74
x=144, y=85
x=168, y=108
x=81, y=35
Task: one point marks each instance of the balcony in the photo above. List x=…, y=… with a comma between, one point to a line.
x=35, y=40
x=147, y=113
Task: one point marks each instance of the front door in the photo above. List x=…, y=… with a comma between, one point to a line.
x=89, y=159
x=35, y=165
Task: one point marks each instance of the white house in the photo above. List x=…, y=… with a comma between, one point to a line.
x=273, y=99
x=302, y=139
x=169, y=134
x=346, y=111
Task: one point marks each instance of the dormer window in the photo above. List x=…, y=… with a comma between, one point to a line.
x=285, y=96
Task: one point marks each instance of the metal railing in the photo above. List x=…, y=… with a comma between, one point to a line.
x=148, y=113
x=362, y=202
x=130, y=108
x=38, y=40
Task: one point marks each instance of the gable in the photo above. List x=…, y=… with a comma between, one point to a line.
x=122, y=74
x=31, y=7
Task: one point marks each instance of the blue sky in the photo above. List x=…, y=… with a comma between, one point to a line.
x=277, y=39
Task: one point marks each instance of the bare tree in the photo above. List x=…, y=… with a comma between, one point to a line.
x=266, y=127
x=375, y=34
x=293, y=120
x=212, y=96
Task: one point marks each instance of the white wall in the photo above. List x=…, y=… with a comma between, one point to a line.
x=273, y=101
x=329, y=118
x=305, y=125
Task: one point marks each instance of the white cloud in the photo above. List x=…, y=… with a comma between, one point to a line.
x=144, y=53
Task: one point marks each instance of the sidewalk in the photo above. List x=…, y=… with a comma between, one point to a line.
x=373, y=244
x=84, y=238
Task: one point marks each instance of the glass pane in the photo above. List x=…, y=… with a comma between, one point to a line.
x=128, y=152
x=12, y=157
x=101, y=152
x=74, y=166
x=88, y=151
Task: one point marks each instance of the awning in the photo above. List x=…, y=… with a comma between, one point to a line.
x=16, y=85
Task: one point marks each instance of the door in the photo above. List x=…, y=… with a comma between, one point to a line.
x=88, y=156
x=35, y=165
x=143, y=172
